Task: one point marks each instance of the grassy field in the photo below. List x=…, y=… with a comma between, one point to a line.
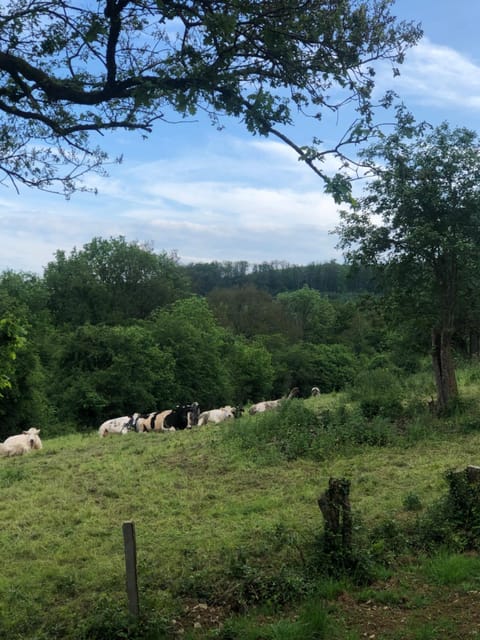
x=226, y=540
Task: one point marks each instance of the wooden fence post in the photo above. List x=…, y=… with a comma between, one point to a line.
x=131, y=567
x=334, y=504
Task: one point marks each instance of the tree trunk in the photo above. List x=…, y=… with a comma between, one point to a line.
x=444, y=369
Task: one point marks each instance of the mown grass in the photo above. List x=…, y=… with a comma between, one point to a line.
x=218, y=520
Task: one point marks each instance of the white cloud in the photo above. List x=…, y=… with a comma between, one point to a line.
x=235, y=200
x=438, y=76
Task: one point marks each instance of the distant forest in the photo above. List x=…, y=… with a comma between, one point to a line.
x=330, y=278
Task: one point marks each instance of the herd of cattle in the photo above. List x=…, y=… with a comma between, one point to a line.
x=187, y=416
x=181, y=417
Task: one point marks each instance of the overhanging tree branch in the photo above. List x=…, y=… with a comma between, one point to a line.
x=127, y=63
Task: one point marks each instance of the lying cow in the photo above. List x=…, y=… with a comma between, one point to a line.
x=21, y=443
x=157, y=421
x=119, y=426
x=215, y=416
x=183, y=416
x=152, y=421
x=266, y=405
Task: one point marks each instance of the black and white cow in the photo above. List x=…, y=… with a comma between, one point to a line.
x=183, y=416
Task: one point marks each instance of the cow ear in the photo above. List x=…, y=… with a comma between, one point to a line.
x=26, y=433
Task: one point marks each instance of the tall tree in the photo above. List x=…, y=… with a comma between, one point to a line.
x=112, y=281
x=420, y=222
x=199, y=347
x=70, y=69
x=102, y=371
x=313, y=314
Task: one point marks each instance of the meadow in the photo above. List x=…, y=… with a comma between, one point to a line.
x=229, y=532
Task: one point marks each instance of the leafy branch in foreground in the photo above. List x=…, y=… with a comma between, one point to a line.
x=70, y=70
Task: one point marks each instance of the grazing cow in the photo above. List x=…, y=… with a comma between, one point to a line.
x=216, y=416
x=121, y=425
x=21, y=443
x=315, y=391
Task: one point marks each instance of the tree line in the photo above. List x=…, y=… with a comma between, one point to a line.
x=331, y=278
x=114, y=328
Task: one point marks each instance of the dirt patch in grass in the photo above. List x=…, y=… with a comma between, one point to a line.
x=421, y=612
x=200, y=616
x=425, y=612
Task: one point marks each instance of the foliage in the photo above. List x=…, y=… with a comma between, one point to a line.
x=411, y=502
x=187, y=329
x=420, y=221
x=110, y=620
x=452, y=569
x=251, y=369
x=313, y=314
x=12, y=339
x=111, y=281
x=330, y=278
x=287, y=433
x=250, y=312
x=70, y=71
x=379, y=392
x=331, y=367
x=312, y=623
x=24, y=328
x=105, y=372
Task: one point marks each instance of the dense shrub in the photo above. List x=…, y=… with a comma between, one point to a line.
x=331, y=367
x=107, y=371
x=288, y=432
x=379, y=392
x=453, y=521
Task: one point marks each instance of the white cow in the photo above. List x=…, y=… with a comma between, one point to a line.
x=21, y=443
x=120, y=425
x=266, y=405
x=315, y=391
x=216, y=416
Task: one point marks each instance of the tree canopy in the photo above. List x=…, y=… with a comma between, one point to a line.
x=70, y=70
x=420, y=222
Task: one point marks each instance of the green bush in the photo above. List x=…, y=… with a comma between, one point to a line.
x=379, y=393
x=110, y=621
x=412, y=502
x=288, y=433
x=453, y=521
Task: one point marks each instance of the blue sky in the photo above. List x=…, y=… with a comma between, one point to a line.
x=211, y=195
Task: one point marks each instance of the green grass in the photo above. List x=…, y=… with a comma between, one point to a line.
x=214, y=524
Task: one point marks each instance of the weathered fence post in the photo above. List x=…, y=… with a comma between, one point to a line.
x=334, y=504
x=131, y=567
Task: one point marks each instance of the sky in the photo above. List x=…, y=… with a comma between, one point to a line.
x=211, y=195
